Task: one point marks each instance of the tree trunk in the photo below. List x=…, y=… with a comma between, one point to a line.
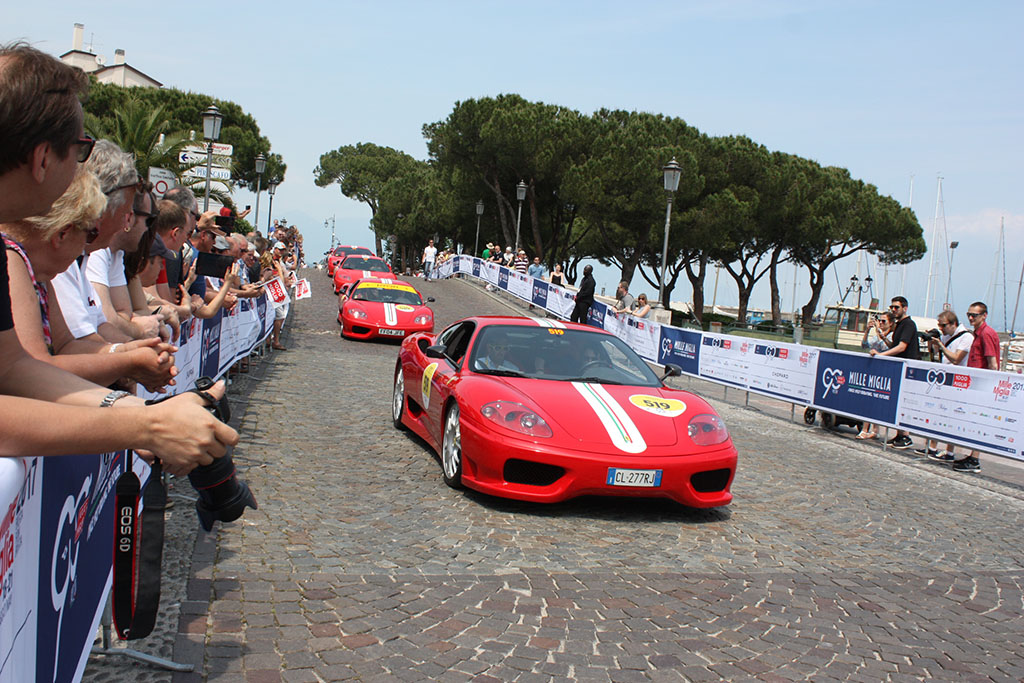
x=817, y=280
x=538, y=242
x=773, y=279
x=697, y=284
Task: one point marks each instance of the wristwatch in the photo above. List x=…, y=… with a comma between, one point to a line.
x=109, y=399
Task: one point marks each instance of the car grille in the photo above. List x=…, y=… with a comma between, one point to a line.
x=359, y=329
x=711, y=481
x=531, y=473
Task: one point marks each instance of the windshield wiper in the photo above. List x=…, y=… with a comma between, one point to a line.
x=500, y=373
x=593, y=380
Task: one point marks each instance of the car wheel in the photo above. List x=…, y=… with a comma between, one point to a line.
x=809, y=415
x=398, y=399
x=451, y=449
x=828, y=421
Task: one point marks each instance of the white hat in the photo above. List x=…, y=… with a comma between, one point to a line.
x=280, y=245
x=508, y=248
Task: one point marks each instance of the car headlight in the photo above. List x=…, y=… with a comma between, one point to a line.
x=707, y=430
x=422, y=319
x=357, y=313
x=517, y=417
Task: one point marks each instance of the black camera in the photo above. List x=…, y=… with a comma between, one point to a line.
x=222, y=495
x=930, y=334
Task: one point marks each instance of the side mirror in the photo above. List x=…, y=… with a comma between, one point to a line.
x=431, y=299
x=435, y=351
x=672, y=370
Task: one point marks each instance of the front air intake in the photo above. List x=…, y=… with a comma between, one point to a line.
x=711, y=481
x=531, y=473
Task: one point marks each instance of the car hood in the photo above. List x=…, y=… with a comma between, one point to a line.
x=590, y=415
x=387, y=314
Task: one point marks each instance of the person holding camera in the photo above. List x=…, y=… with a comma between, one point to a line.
x=876, y=337
x=950, y=344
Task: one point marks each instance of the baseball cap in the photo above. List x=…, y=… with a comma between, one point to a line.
x=158, y=248
x=280, y=245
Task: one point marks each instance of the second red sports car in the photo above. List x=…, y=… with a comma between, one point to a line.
x=374, y=308
x=359, y=266
x=541, y=410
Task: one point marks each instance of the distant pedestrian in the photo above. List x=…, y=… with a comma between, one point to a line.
x=536, y=269
x=521, y=263
x=429, y=257
x=584, y=297
x=953, y=346
x=486, y=255
x=557, y=276
x=624, y=300
x=508, y=258
x=876, y=336
x=642, y=307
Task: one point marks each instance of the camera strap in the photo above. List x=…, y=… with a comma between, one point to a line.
x=138, y=552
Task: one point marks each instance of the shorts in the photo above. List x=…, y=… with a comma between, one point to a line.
x=281, y=312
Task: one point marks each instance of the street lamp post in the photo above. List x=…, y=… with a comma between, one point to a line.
x=271, y=189
x=861, y=288
x=212, y=120
x=949, y=275
x=479, y=212
x=520, y=195
x=672, y=172
x=261, y=166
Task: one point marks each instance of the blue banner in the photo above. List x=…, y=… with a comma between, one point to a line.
x=476, y=267
x=76, y=545
x=596, y=315
x=540, y=293
x=503, y=278
x=681, y=347
x=209, y=364
x=860, y=385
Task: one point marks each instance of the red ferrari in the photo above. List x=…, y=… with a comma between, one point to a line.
x=359, y=266
x=542, y=410
x=340, y=252
x=374, y=308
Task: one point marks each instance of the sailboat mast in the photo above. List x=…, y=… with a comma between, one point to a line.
x=903, y=274
x=932, y=248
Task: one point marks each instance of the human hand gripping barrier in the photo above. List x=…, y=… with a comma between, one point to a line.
x=971, y=407
x=56, y=529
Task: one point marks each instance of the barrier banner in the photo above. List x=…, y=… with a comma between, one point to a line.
x=520, y=285
x=642, y=335
x=597, y=313
x=503, y=277
x=20, y=505
x=540, y=293
x=209, y=363
x=561, y=301
x=681, y=347
x=858, y=385
x=975, y=407
x=76, y=544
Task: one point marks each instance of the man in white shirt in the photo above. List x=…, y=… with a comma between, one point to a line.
x=954, y=346
x=429, y=256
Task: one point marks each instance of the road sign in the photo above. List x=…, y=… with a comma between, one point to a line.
x=216, y=173
x=191, y=155
x=162, y=179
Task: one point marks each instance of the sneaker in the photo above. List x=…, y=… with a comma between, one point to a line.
x=968, y=464
x=927, y=451
x=902, y=443
x=944, y=456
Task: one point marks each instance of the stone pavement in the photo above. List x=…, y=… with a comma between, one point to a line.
x=834, y=562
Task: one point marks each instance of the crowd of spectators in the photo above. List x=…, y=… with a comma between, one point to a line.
x=96, y=278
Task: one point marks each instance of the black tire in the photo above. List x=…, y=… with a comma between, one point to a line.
x=809, y=416
x=451, y=448
x=828, y=420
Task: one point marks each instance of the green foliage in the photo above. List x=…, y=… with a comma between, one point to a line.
x=137, y=116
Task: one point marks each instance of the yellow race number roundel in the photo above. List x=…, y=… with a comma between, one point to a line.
x=405, y=308
x=666, y=407
x=428, y=374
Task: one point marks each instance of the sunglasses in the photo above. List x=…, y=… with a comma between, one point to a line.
x=85, y=145
x=138, y=186
x=975, y=315
x=895, y=307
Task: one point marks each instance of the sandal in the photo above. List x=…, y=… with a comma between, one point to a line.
x=867, y=435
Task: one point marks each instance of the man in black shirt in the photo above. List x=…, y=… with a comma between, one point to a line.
x=584, y=297
x=902, y=344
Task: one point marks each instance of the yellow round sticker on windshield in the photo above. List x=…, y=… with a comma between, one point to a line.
x=428, y=374
x=666, y=407
x=405, y=308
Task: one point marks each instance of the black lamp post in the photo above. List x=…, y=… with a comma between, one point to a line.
x=520, y=195
x=261, y=166
x=479, y=212
x=672, y=171
x=212, y=120
x=861, y=288
x=271, y=189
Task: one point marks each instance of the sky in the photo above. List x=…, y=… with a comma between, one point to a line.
x=900, y=93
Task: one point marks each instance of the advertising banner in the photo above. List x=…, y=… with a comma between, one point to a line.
x=561, y=301
x=20, y=505
x=540, y=294
x=503, y=277
x=681, y=347
x=974, y=407
x=858, y=385
x=520, y=285
x=303, y=290
x=642, y=335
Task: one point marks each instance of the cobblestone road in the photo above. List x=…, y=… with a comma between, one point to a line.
x=834, y=561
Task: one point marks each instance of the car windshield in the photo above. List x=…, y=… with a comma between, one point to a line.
x=554, y=353
x=373, y=265
x=387, y=294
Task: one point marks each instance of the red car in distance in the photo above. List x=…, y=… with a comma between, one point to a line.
x=359, y=266
x=339, y=253
x=541, y=410
x=376, y=308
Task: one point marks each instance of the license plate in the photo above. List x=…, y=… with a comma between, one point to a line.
x=393, y=333
x=648, y=478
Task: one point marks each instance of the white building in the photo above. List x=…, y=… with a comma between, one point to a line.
x=119, y=73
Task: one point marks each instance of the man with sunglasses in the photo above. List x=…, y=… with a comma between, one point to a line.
x=45, y=410
x=902, y=344
x=984, y=354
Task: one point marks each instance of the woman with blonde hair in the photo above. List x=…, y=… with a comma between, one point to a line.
x=47, y=245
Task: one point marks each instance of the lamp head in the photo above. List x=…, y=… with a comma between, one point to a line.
x=212, y=120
